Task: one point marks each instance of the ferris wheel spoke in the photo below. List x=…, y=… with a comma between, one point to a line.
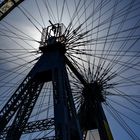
x=131, y=100
x=40, y=12
x=8, y=30
x=29, y=19
x=123, y=106
x=121, y=121
x=101, y=40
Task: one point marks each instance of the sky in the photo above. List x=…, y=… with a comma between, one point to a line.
x=103, y=41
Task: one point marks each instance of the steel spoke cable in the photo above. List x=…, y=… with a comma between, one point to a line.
x=76, y=63
x=50, y=15
x=100, y=63
x=62, y=11
x=97, y=26
x=134, y=76
x=17, y=43
x=113, y=25
x=117, y=62
x=22, y=57
x=80, y=59
x=14, y=27
x=91, y=53
x=83, y=49
x=57, y=11
x=131, y=99
x=15, y=56
x=21, y=9
x=74, y=15
x=17, y=36
x=87, y=57
x=14, y=72
x=50, y=11
x=127, y=80
x=16, y=50
x=91, y=63
x=121, y=47
x=10, y=90
x=40, y=13
x=107, y=93
x=78, y=19
x=92, y=67
x=42, y=111
x=12, y=62
x=116, y=16
x=88, y=17
x=127, y=98
x=131, y=60
x=121, y=25
x=90, y=42
x=116, y=33
x=134, y=82
x=122, y=105
x=14, y=37
x=119, y=58
x=78, y=11
x=121, y=121
x=129, y=67
x=91, y=14
x=18, y=82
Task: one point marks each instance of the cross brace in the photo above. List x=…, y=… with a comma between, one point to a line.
x=32, y=127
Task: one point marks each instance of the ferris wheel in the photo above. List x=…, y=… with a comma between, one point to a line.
x=70, y=69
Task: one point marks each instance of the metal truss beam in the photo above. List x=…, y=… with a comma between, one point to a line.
x=13, y=103
x=6, y=6
x=50, y=67
x=34, y=126
x=40, y=125
x=25, y=110
x=66, y=122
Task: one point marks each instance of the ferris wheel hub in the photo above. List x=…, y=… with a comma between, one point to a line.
x=53, y=38
x=93, y=92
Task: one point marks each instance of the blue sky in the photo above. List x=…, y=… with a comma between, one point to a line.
x=110, y=31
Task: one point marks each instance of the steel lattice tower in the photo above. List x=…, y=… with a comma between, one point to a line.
x=51, y=66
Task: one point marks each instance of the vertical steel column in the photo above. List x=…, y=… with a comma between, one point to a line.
x=93, y=102
x=61, y=115
x=66, y=122
x=102, y=123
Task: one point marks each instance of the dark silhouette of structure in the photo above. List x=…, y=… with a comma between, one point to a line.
x=51, y=66
x=91, y=62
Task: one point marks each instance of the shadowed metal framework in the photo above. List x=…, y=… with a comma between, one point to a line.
x=51, y=66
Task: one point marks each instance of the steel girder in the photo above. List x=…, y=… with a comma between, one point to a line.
x=31, y=127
